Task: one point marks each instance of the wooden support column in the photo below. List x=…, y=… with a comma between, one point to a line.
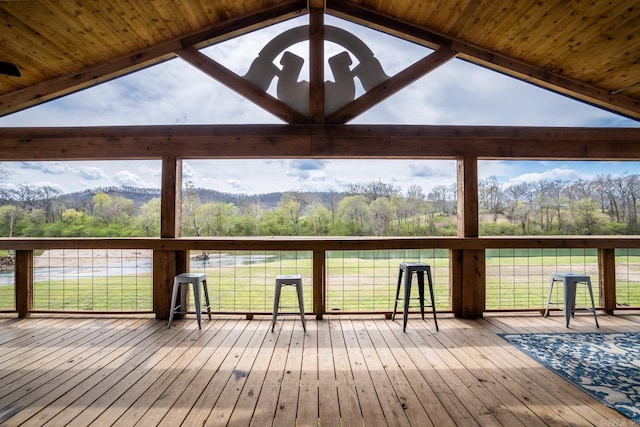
x=316, y=115
x=319, y=283
x=468, y=278
x=316, y=61
x=166, y=264
x=607, y=272
x=24, y=282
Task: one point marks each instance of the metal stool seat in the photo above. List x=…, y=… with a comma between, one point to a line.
x=186, y=279
x=288, y=280
x=408, y=268
x=570, y=282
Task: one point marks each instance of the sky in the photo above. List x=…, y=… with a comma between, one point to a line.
x=174, y=92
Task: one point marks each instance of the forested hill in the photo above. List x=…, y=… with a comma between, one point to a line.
x=140, y=196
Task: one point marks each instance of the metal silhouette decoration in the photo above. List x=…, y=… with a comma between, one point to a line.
x=295, y=93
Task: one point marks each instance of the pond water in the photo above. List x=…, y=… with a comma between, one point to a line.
x=132, y=268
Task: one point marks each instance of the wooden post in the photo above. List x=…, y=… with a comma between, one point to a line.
x=607, y=272
x=319, y=283
x=24, y=282
x=468, y=277
x=166, y=264
x=171, y=197
x=316, y=62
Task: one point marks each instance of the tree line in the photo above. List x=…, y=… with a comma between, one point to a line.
x=604, y=205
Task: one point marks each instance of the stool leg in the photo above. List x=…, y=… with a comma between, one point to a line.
x=206, y=297
x=569, y=299
x=433, y=300
x=174, y=298
x=276, y=305
x=546, y=311
x=407, y=296
x=395, y=306
x=198, y=303
x=301, y=304
x=420, y=275
x=593, y=304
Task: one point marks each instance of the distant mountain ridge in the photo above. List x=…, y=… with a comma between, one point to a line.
x=140, y=196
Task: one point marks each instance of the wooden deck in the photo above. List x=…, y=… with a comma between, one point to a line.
x=351, y=370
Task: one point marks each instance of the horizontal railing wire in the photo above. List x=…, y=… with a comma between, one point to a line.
x=7, y=290
x=100, y=280
x=367, y=280
x=244, y=281
x=519, y=279
x=627, y=277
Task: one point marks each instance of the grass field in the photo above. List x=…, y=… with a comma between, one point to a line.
x=356, y=281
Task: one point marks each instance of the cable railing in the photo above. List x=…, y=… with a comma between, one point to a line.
x=358, y=275
x=518, y=279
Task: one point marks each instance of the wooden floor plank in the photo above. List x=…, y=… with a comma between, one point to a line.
x=397, y=400
x=464, y=408
x=142, y=397
x=266, y=405
x=493, y=385
x=514, y=381
x=372, y=412
x=246, y=403
x=287, y=406
x=230, y=351
x=435, y=350
x=174, y=404
x=421, y=403
x=329, y=405
x=39, y=344
x=229, y=397
x=350, y=412
x=112, y=402
x=308, y=398
x=553, y=384
x=345, y=370
x=44, y=397
x=82, y=395
x=23, y=381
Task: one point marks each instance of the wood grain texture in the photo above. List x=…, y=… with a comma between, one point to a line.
x=128, y=371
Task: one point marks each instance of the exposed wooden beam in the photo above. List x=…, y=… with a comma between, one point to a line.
x=117, y=67
x=242, y=86
x=317, y=4
x=318, y=141
x=321, y=243
x=581, y=90
x=171, y=197
x=391, y=86
x=316, y=64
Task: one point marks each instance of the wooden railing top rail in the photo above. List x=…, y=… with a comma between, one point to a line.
x=322, y=243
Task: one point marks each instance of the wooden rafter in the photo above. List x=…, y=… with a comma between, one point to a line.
x=539, y=76
x=391, y=86
x=242, y=86
x=118, y=67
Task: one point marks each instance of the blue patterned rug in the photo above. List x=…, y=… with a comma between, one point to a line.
x=605, y=365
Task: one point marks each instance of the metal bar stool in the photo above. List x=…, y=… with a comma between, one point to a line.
x=185, y=279
x=408, y=268
x=288, y=280
x=570, y=282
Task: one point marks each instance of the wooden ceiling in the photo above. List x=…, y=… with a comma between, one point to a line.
x=586, y=50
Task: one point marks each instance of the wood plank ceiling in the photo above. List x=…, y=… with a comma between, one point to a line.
x=586, y=50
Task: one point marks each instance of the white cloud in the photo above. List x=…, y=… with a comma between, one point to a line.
x=129, y=179
x=562, y=174
x=91, y=173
